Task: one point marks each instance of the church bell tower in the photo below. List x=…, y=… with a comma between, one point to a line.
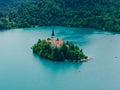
x=53, y=37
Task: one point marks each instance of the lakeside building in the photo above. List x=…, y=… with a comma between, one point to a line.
x=55, y=42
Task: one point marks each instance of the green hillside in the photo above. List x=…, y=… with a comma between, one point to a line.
x=100, y=14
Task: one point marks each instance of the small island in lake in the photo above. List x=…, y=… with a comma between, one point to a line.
x=58, y=50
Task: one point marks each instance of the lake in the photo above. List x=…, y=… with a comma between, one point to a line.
x=20, y=69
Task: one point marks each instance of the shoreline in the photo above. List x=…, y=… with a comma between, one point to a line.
x=83, y=60
x=100, y=29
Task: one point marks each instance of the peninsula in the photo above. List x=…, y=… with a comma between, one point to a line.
x=58, y=50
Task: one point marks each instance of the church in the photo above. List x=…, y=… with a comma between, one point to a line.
x=55, y=42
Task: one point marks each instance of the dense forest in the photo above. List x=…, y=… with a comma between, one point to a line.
x=100, y=14
x=68, y=51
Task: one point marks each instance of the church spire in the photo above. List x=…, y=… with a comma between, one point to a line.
x=53, y=34
x=53, y=37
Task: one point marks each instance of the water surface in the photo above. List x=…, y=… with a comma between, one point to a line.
x=20, y=69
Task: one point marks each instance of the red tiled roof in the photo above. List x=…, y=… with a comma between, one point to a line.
x=57, y=43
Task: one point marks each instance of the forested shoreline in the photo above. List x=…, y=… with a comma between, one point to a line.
x=100, y=14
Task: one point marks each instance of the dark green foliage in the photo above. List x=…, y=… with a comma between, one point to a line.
x=101, y=14
x=66, y=51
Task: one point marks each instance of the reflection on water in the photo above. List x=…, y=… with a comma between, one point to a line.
x=58, y=66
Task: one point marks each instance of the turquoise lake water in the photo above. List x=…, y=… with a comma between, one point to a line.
x=20, y=69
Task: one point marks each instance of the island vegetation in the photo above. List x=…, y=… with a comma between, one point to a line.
x=68, y=51
x=100, y=14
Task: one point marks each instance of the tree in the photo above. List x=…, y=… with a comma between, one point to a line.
x=72, y=13
x=61, y=56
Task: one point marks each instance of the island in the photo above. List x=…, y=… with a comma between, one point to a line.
x=58, y=50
